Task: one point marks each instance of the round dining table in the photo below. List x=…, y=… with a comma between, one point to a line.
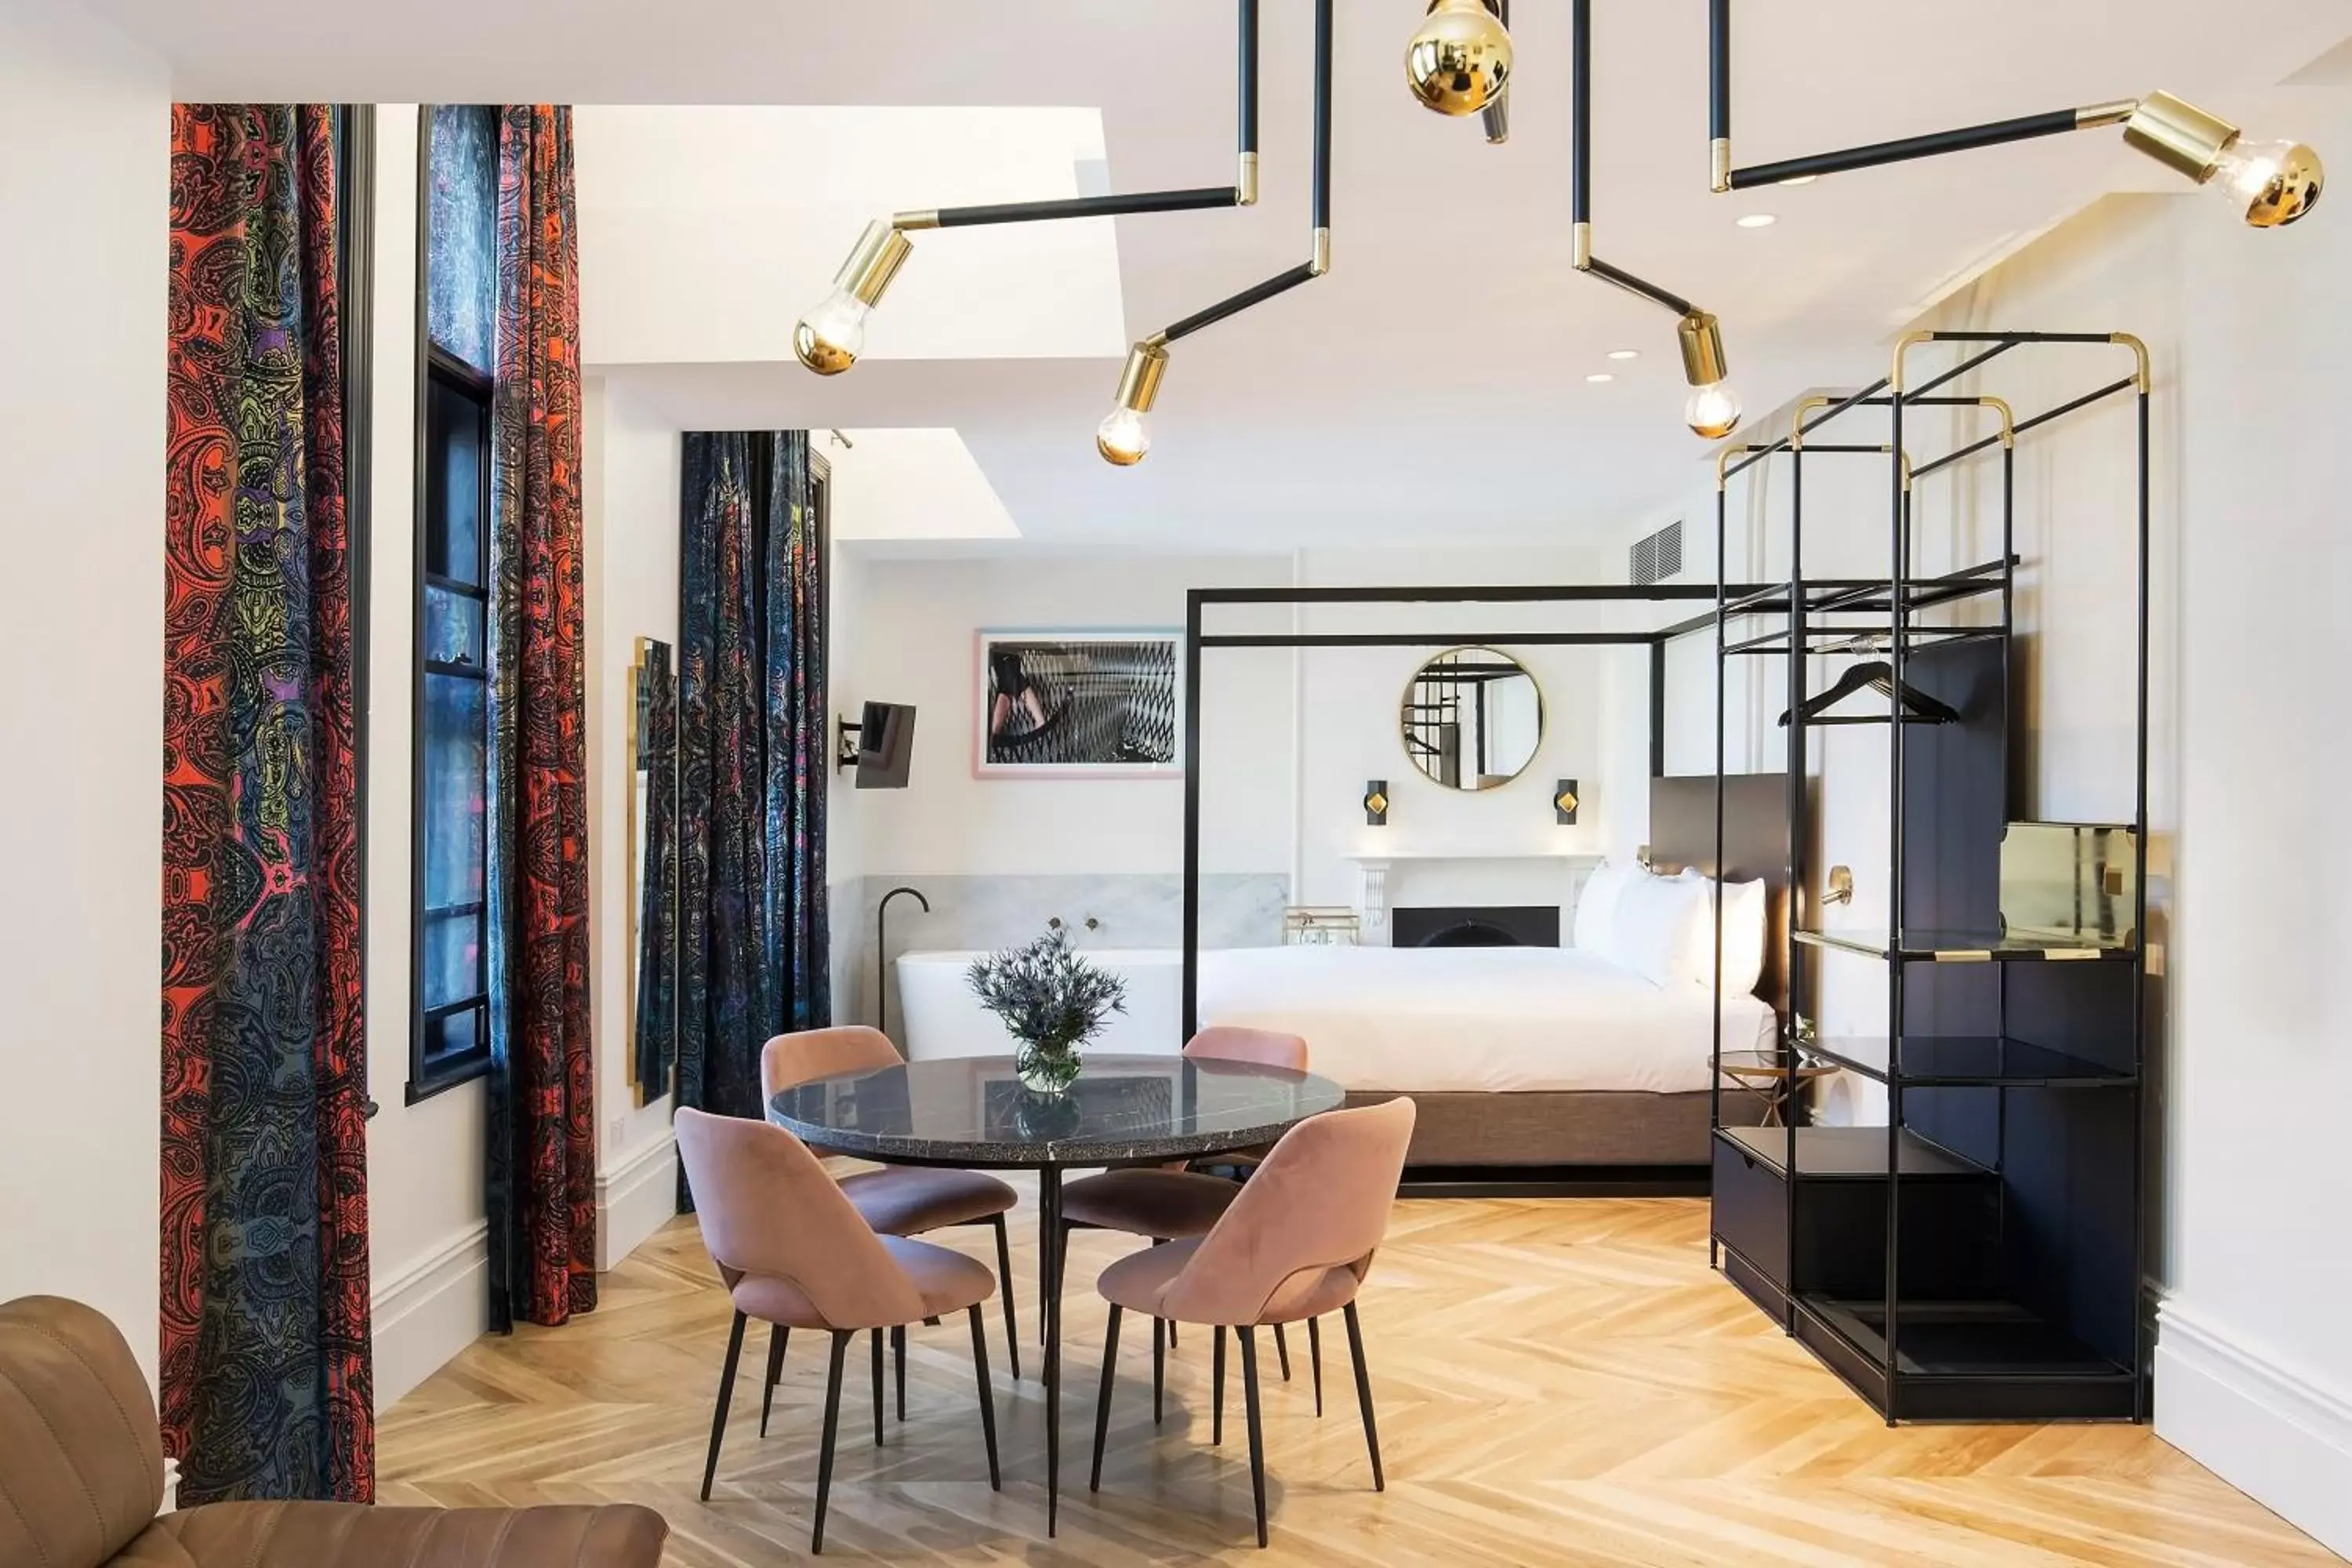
x=974, y=1113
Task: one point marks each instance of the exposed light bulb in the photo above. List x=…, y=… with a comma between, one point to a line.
x=829, y=339
x=1713, y=410
x=1460, y=59
x=2269, y=183
x=1123, y=436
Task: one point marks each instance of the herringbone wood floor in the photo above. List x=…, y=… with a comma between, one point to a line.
x=1560, y=1382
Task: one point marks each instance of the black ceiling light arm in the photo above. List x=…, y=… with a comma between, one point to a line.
x=1725, y=177
x=1580, y=190
x=1319, y=261
x=1242, y=193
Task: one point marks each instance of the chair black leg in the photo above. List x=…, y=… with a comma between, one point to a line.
x=898, y=1368
x=841, y=1338
x=1102, y=1406
x=1314, y=1356
x=726, y=1393
x=1159, y=1367
x=877, y=1388
x=778, y=1337
x=1162, y=1241
x=1364, y=1396
x=1004, y=1287
x=1217, y=1377
x=1248, y=1336
x=987, y=1398
x=1282, y=1350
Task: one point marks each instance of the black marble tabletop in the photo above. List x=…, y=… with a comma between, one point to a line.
x=973, y=1111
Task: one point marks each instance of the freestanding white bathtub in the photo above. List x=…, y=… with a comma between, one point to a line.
x=940, y=1017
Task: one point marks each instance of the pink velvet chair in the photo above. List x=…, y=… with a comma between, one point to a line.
x=897, y=1200
x=1296, y=1242
x=795, y=1253
x=1168, y=1202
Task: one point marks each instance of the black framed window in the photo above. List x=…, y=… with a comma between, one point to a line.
x=457, y=304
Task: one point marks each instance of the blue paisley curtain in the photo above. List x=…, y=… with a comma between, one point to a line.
x=753, y=939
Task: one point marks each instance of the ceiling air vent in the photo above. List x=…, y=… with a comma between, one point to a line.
x=1658, y=557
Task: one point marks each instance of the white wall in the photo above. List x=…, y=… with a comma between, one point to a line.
x=630, y=501
x=2253, y=1369
x=87, y=116
x=428, y=1227
x=1350, y=722
x=916, y=643
x=1289, y=738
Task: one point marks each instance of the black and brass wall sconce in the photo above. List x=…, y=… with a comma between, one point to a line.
x=829, y=339
x=2269, y=183
x=1712, y=410
x=1564, y=802
x=1376, y=802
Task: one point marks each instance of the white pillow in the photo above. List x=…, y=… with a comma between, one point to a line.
x=1596, y=905
x=1746, y=905
x=1663, y=932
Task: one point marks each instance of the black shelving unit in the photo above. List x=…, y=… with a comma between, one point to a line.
x=1978, y=1257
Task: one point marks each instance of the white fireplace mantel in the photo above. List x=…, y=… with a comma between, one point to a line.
x=1373, y=866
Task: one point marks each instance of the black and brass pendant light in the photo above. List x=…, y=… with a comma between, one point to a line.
x=2268, y=183
x=828, y=339
x=1460, y=62
x=1712, y=410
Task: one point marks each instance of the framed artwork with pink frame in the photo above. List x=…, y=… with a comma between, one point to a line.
x=1070, y=703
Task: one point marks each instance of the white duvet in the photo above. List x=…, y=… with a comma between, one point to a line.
x=1490, y=1019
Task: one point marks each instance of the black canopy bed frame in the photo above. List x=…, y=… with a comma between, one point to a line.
x=1979, y=1256
x=1536, y=1142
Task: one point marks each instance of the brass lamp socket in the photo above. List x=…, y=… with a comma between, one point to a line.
x=2180, y=136
x=868, y=274
x=1139, y=383
x=1704, y=363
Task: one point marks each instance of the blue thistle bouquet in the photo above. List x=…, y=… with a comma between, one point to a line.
x=1052, y=1001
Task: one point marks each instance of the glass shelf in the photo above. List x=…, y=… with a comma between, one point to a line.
x=1844, y=1153
x=1975, y=946
x=1961, y=1060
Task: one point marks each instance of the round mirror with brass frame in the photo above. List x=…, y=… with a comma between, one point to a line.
x=1471, y=719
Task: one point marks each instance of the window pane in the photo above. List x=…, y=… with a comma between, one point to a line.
x=453, y=628
x=453, y=481
x=454, y=1035
x=462, y=245
x=452, y=950
x=452, y=817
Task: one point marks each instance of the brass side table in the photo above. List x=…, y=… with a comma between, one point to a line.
x=1773, y=1076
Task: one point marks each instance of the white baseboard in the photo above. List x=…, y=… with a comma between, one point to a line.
x=636, y=1198
x=431, y=1311
x=2274, y=1434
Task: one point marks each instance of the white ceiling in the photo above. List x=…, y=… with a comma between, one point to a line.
x=1434, y=383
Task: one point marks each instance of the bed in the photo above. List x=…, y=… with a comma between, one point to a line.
x=1537, y=1056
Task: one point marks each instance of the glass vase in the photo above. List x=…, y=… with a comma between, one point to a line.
x=1047, y=1069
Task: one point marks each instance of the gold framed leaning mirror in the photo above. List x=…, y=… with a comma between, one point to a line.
x=653, y=868
x=1471, y=719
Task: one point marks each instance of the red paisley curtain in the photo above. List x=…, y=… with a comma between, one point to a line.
x=542, y=1138
x=267, y=1380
